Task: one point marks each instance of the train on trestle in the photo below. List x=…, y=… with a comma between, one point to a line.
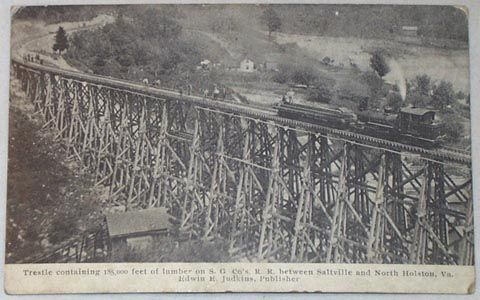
x=409, y=125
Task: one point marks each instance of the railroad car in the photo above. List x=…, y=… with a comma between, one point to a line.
x=327, y=115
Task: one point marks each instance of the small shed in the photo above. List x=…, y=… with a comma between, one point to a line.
x=137, y=228
x=410, y=30
x=247, y=65
x=272, y=61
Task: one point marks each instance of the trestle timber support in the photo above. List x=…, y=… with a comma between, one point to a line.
x=273, y=193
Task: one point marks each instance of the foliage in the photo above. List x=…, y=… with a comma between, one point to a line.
x=141, y=46
x=296, y=74
x=282, y=76
x=418, y=99
x=320, y=93
x=443, y=95
x=303, y=75
x=394, y=100
x=61, y=40
x=379, y=64
x=453, y=128
x=423, y=84
x=271, y=19
x=327, y=61
x=50, y=200
x=375, y=85
x=460, y=95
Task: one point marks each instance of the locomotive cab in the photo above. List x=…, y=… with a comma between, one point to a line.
x=419, y=122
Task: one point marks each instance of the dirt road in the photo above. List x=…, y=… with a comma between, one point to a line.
x=28, y=38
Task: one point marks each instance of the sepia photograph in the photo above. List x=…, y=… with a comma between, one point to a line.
x=249, y=134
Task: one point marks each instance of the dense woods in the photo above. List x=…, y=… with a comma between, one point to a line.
x=133, y=47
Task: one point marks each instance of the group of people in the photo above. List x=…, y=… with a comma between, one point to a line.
x=33, y=58
x=288, y=97
x=216, y=94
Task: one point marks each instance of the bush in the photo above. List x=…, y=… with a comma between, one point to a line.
x=280, y=77
x=319, y=93
x=303, y=75
x=443, y=95
x=461, y=95
x=375, y=87
x=453, y=129
x=418, y=99
x=327, y=61
x=297, y=74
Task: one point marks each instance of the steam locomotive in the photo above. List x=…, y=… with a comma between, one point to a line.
x=414, y=126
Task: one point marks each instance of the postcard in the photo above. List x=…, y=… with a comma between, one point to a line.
x=239, y=148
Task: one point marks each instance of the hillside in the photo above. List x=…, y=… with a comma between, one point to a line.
x=365, y=21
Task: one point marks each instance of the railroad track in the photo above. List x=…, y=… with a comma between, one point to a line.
x=260, y=113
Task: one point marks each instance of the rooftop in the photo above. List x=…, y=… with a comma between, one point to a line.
x=416, y=111
x=140, y=221
x=410, y=28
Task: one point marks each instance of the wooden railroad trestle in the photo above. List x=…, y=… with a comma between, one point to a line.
x=275, y=193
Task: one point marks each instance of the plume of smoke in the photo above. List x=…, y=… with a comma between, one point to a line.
x=396, y=77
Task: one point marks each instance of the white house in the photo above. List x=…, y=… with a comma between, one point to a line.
x=247, y=65
x=409, y=34
x=410, y=30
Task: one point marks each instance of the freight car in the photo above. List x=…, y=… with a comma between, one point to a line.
x=327, y=115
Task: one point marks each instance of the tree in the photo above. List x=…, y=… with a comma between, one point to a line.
x=303, y=75
x=453, y=129
x=460, y=95
x=423, y=84
x=375, y=86
x=394, y=100
x=443, y=95
x=61, y=40
x=418, y=99
x=271, y=20
x=320, y=93
x=379, y=63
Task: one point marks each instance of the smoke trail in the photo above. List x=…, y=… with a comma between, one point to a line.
x=395, y=76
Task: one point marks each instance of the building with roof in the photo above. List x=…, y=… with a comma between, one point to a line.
x=272, y=61
x=137, y=228
x=247, y=65
x=408, y=34
x=410, y=30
